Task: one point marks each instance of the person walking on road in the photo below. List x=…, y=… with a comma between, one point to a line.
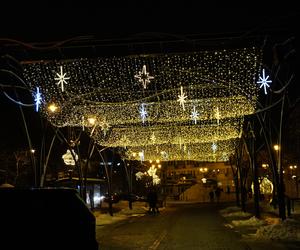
x=152, y=201
x=211, y=196
x=218, y=193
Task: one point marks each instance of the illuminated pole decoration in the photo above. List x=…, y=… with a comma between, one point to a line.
x=152, y=172
x=143, y=77
x=143, y=112
x=181, y=98
x=194, y=115
x=263, y=81
x=61, y=79
x=37, y=99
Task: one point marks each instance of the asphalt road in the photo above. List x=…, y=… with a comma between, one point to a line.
x=193, y=226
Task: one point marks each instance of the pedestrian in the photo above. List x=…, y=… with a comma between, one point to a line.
x=211, y=196
x=218, y=193
x=152, y=201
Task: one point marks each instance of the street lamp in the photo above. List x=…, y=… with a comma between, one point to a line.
x=276, y=147
x=52, y=107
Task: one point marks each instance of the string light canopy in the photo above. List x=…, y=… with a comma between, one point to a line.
x=175, y=133
x=151, y=100
x=195, y=152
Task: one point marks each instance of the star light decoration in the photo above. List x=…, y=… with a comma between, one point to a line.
x=61, y=79
x=181, y=98
x=194, y=115
x=263, y=81
x=143, y=77
x=143, y=112
x=37, y=99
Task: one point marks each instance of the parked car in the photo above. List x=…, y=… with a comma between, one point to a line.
x=46, y=218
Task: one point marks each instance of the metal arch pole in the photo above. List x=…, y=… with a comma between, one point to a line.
x=47, y=159
x=108, y=179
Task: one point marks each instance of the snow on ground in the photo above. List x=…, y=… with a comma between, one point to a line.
x=288, y=229
x=233, y=211
x=124, y=213
x=253, y=221
x=270, y=227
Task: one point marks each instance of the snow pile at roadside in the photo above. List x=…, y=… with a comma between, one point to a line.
x=237, y=214
x=233, y=212
x=135, y=211
x=253, y=221
x=269, y=228
x=288, y=229
x=229, y=210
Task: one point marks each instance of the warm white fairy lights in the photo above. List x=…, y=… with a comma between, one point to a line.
x=197, y=152
x=219, y=83
x=169, y=133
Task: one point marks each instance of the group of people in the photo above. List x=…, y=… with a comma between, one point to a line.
x=215, y=194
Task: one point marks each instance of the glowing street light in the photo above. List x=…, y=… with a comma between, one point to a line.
x=52, y=107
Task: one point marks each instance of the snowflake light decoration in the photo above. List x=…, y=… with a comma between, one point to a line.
x=143, y=112
x=194, y=115
x=37, y=99
x=143, y=77
x=61, y=78
x=181, y=98
x=214, y=147
x=263, y=81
